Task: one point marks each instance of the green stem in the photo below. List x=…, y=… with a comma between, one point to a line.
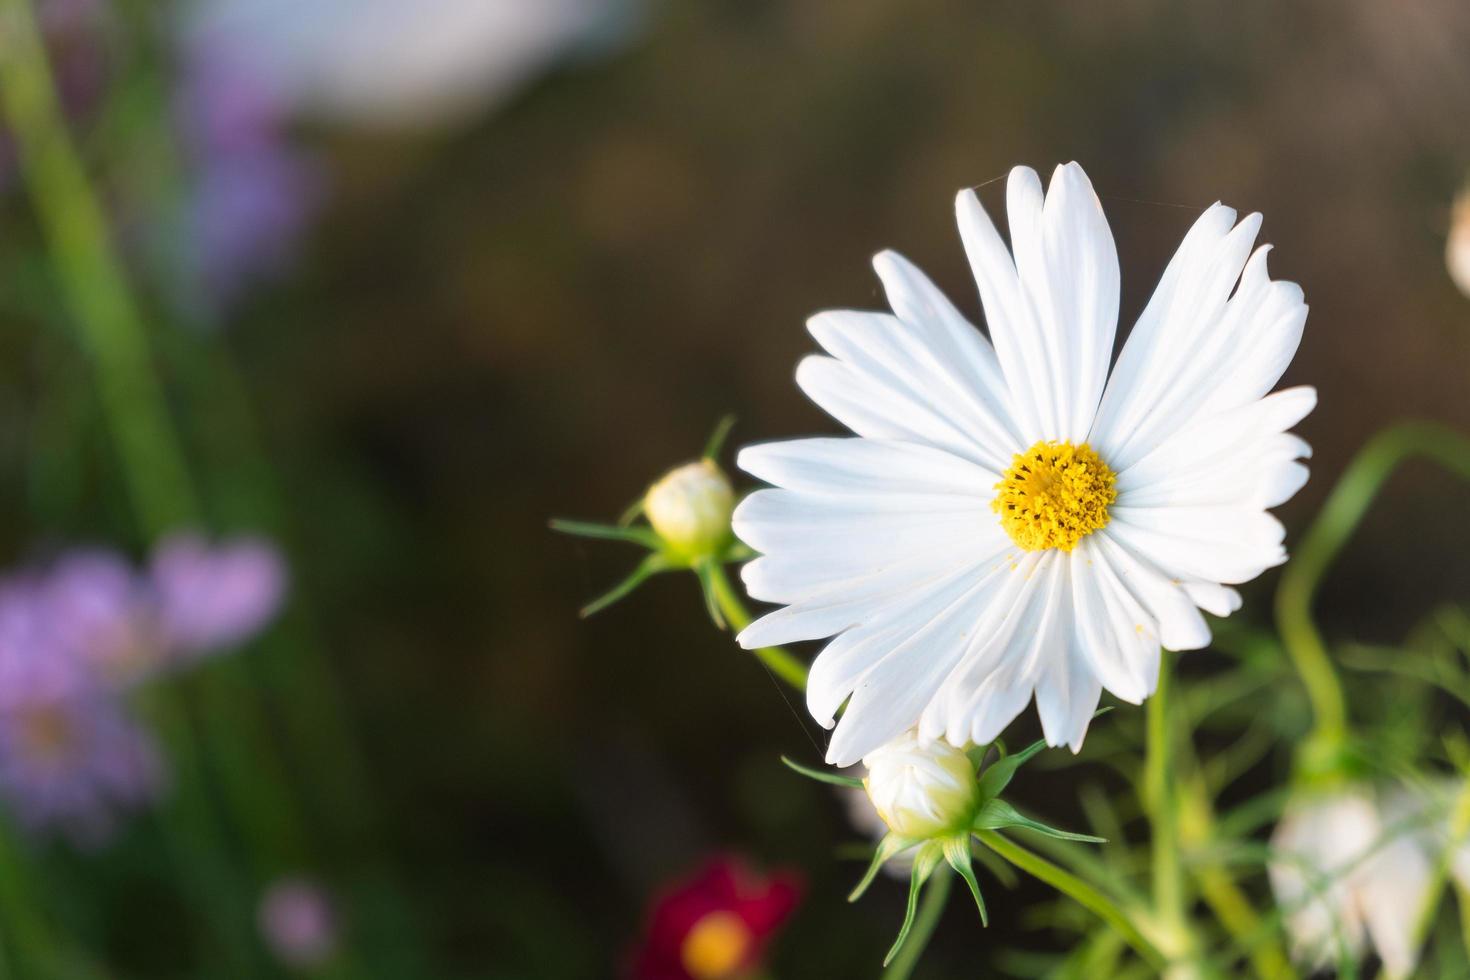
x=1162, y=805
x=780, y=661
x=31, y=946
x=1076, y=889
x=930, y=911
x=1335, y=523
x=77, y=234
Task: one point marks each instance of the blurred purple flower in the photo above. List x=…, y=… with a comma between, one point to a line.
x=76, y=765
x=212, y=597
x=253, y=194
x=99, y=613
x=70, y=758
x=76, y=635
x=298, y=921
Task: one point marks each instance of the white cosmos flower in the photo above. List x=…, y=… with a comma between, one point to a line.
x=1344, y=877
x=958, y=578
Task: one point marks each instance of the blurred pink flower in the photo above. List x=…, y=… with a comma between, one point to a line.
x=298, y=921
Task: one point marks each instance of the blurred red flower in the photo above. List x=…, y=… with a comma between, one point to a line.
x=715, y=925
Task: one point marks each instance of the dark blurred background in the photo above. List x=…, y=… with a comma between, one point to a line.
x=536, y=307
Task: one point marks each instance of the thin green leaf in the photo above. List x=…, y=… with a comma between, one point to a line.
x=957, y=853
x=925, y=862
x=890, y=846
x=648, y=567
x=998, y=815
x=608, y=532
x=717, y=438
x=822, y=775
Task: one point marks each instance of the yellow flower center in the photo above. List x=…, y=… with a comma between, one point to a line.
x=716, y=947
x=1054, y=495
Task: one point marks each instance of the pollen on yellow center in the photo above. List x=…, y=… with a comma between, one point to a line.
x=716, y=947
x=1054, y=495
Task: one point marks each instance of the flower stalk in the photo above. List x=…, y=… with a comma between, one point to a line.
x=1334, y=525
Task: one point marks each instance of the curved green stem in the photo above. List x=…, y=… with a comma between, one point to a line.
x=780, y=661
x=1335, y=523
x=1076, y=889
x=927, y=921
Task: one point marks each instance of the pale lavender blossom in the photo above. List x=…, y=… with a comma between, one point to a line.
x=298, y=921
x=196, y=598
x=213, y=597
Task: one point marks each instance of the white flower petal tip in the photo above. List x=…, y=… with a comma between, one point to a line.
x=929, y=552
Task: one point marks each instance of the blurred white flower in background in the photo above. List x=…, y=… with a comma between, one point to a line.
x=1457, y=245
x=411, y=63
x=1343, y=878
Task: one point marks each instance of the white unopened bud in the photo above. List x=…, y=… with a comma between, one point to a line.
x=922, y=789
x=690, y=509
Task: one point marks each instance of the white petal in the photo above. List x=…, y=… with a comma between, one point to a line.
x=1008, y=314
x=844, y=662
x=853, y=566
x=992, y=682
x=1190, y=338
x=892, y=400
x=1067, y=691
x=1081, y=279
x=1052, y=309
x=890, y=696
x=843, y=605
x=1214, y=544
x=1181, y=627
x=827, y=465
x=1218, y=600
x=1120, y=640
x=888, y=524
x=954, y=341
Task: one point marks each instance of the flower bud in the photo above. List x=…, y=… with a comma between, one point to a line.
x=690, y=509
x=922, y=789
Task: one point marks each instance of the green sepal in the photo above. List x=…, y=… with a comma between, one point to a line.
x=609, y=532
x=633, y=512
x=925, y=862
x=716, y=441
x=738, y=551
x=999, y=815
x=822, y=775
x=995, y=779
x=704, y=571
x=889, y=847
x=977, y=753
x=647, y=568
x=957, y=853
